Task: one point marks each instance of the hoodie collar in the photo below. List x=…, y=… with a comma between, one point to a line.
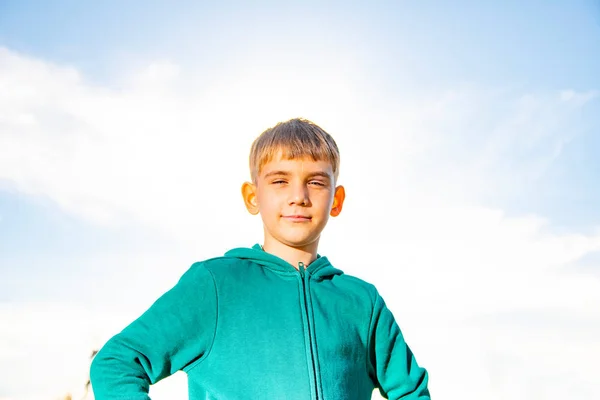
x=319, y=268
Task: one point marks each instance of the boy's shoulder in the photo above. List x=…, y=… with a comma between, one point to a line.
x=354, y=284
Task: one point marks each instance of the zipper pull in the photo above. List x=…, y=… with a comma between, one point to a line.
x=301, y=268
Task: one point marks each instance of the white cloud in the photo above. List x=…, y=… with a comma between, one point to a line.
x=476, y=291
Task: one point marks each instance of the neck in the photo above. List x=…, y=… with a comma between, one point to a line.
x=293, y=255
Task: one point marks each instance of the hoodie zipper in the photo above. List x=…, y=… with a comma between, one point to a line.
x=304, y=277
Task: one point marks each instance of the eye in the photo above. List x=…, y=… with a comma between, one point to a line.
x=278, y=182
x=316, y=183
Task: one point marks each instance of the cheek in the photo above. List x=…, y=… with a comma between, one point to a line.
x=267, y=202
x=326, y=201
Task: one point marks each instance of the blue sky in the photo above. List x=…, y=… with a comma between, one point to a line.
x=534, y=43
x=469, y=133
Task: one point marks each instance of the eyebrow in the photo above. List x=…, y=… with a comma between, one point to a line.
x=321, y=174
x=286, y=173
x=272, y=173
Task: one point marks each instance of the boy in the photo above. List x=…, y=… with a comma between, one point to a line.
x=276, y=321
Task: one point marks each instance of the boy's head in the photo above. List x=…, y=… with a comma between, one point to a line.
x=294, y=167
x=294, y=139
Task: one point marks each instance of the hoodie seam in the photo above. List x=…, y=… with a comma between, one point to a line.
x=369, y=334
x=270, y=268
x=193, y=365
x=277, y=271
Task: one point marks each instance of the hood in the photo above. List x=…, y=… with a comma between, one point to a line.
x=320, y=268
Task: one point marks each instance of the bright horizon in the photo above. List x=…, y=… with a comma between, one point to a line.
x=469, y=138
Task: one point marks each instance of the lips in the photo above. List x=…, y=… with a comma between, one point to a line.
x=296, y=218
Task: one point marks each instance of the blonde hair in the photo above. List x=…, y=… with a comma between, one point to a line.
x=295, y=138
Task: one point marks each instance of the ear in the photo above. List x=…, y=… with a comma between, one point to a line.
x=338, y=201
x=249, y=195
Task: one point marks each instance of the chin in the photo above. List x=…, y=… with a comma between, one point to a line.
x=299, y=242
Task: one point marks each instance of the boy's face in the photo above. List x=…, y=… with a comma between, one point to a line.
x=295, y=199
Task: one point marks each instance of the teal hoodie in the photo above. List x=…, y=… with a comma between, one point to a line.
x=251, y=326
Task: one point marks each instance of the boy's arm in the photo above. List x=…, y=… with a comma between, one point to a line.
x=397, y=374
x=177, y=330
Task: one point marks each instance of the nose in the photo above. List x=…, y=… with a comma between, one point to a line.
x=299, y=195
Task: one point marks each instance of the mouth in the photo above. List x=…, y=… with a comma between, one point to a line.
x=296, y=218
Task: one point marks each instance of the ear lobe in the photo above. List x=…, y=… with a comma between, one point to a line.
x=249, y=195
x=335, y=211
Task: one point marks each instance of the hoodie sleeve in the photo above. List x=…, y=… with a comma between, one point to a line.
x=397, y=374
x=173, y=334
